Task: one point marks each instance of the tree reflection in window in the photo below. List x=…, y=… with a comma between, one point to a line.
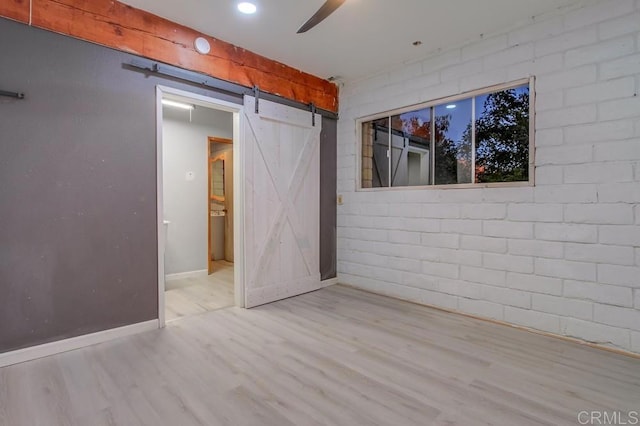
x=502, y=136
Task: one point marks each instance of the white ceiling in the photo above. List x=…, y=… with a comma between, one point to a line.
x=361, y=38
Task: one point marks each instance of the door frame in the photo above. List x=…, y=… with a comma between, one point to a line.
x=238, y=179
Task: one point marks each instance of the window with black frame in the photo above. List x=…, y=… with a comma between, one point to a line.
x=480, y=139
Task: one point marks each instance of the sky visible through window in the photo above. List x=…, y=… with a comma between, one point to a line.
x=481, y=100
x=460, y=114
x=459, y=117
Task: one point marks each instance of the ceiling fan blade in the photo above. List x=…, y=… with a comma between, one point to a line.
x=325, y=10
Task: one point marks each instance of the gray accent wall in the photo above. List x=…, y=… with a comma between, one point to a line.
x=77, y=188
x=78, y=242
x=328, y=188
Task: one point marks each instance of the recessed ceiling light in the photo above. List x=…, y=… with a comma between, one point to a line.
x=451, y=106
x=246, y=7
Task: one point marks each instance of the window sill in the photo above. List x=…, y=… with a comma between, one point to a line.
x=454, y=186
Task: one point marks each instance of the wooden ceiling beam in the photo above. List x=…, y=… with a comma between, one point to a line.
x=18, y=10
x=119, y=26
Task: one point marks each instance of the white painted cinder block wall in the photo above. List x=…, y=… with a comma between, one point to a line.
x=562, y=256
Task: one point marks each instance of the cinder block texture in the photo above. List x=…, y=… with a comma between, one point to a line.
x=562, y=256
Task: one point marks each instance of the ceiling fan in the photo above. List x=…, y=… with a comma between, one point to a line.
x=325, y=10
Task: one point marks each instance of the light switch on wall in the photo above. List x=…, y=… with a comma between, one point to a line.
x=190, y=176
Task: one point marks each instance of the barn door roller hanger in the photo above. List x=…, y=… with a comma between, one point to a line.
x=312, y=106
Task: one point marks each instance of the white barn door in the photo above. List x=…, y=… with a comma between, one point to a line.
x=281, y=202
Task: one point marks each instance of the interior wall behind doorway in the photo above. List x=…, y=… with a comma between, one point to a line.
x=185, y=162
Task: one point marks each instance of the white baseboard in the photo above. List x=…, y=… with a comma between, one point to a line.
x=190, y=274
x=329, y=282
x=47, y=349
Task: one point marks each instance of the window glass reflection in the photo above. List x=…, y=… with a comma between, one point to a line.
x=453, y=132
x=375, y=162
x=410, y=148
x=502, y=136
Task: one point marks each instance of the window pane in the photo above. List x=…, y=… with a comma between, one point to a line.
x=410, y=148
x=453, y=142
x=375, y=144
x=502, y=136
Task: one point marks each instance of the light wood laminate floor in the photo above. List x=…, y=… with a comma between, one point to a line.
x=337, y=356
x=196, y=295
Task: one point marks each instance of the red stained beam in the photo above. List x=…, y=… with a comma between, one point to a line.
x=113, y=24
x=18, y=10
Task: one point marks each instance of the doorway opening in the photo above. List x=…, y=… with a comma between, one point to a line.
x=220, y=178
x=220, y=204
x=197, y=137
